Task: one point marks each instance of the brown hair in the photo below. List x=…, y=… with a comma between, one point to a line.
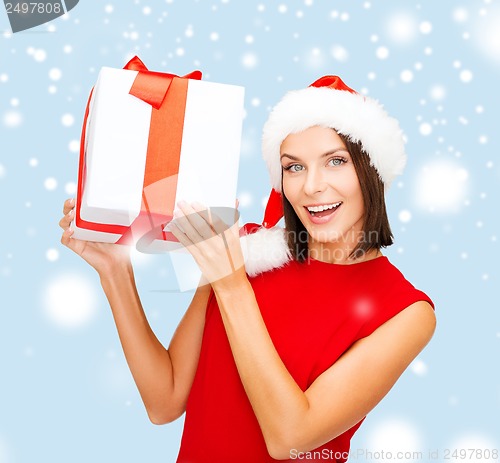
x=376, y=230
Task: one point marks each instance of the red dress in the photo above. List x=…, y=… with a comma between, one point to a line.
x=314, y=312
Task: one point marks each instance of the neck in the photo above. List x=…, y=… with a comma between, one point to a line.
x=324, y=253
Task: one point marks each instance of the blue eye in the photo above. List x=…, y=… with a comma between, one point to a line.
x=335, y=162
x=290, y=168
x=338, y=161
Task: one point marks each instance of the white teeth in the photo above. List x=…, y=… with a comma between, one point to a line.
x=324, y=207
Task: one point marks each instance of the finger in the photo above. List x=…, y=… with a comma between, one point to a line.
x=218, y=224
x=184, y=227
x=76, y=245
x=65, y=222
x=194, y=222
x=68, y=205
x=222, y=218
x=66, y=237
x=174, y=228
x=211, y=226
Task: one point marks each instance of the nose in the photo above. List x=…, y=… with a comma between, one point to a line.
x=314, y=182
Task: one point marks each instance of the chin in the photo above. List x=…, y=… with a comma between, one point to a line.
x=325, y=235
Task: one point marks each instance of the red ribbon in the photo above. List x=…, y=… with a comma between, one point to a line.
x=166, y=93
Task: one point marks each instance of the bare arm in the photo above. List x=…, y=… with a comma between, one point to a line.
x=163, y=377
x=340, y=397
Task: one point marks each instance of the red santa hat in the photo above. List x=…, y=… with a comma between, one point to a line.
x=327, y=102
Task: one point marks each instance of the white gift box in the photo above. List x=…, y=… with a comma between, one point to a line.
x=111, y=192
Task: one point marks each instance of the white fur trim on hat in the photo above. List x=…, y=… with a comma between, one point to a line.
x=356, y=116
x=264, y=250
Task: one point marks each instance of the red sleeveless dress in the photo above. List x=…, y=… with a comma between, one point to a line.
x=314, y=311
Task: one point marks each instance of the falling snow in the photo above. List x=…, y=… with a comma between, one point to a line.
x=74, y=146
x=70, y=188
x=249, y=60
x=404, y=216
x=50, y=183
x=425, y=27
x=67, y=120
x=55, y=74
x=441, y=186
x=406, y=76
x=486, y=36
x=395, y=435
x=419, y=367
x=438, y=92
x=382, y=53
x=37, y=54
x=340, y=53
x=70, y=301
x=12, y=119
x=460, y=15
x=465, y=76
x=52, y=255
x=402, y=28
x=434, y=69
x=425, y=129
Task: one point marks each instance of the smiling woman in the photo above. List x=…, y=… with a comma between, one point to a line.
x=282, y=354
x=288, y=372
x=356, y=208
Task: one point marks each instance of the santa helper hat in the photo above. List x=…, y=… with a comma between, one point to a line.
x=330, y=103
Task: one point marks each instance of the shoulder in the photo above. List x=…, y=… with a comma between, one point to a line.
x=421, y=314
x=413, y=327
x=391, y=348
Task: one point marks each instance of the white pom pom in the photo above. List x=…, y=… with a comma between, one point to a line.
x=265, y=250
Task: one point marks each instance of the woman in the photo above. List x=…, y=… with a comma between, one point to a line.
x=282, y=355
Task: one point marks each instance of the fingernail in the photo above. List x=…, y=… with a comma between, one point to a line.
x=72, y=202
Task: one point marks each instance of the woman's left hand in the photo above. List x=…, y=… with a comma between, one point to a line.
x=214, y=245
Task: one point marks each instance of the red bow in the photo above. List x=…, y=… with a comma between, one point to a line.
x=151, y=87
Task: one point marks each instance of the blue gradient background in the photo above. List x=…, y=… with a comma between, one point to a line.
x=66, y=394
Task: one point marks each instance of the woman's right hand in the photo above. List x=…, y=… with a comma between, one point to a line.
x=104, y=257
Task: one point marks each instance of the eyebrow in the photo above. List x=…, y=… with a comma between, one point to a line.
x=328, y=153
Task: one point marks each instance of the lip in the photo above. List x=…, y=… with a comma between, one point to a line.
x=322, y=220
